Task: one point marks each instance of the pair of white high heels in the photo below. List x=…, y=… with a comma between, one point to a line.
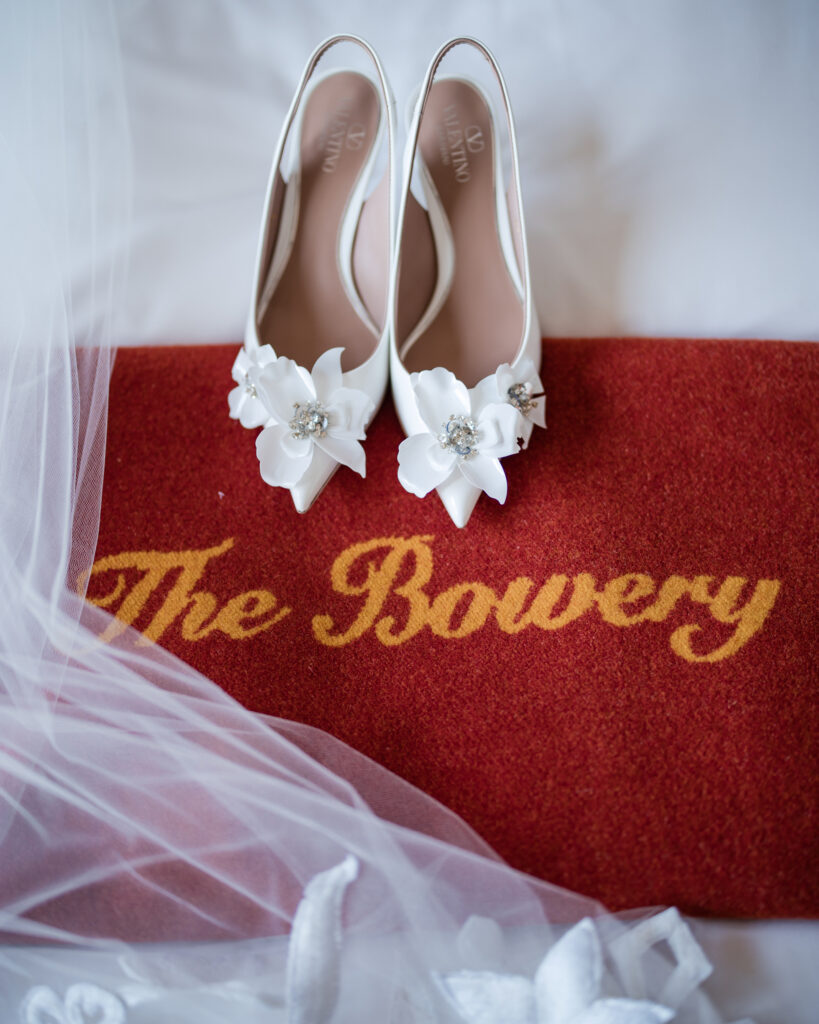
x=362, y=283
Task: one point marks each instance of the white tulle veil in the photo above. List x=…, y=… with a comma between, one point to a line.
x=161, y=847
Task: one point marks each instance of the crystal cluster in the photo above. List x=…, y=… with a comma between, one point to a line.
x=520, y=395
x=309, y=420
x=459, y=435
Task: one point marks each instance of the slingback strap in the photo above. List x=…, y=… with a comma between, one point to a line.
x=310, y=67
x=412, y=147
x=389, y=103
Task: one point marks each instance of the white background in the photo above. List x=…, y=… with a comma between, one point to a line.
x=670, y=153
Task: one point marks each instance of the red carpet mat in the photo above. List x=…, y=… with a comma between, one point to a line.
x=612, y=678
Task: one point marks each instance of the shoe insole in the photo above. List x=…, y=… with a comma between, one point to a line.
x=480, y=322
x=310, y=310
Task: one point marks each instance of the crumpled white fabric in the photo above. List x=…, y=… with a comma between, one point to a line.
x=567, y=987
x=82, y=1003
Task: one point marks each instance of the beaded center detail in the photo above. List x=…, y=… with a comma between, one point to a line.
x=459, y=435
x=520, y=396
x=309, y=420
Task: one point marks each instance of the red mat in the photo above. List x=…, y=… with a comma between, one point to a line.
x=612, y=678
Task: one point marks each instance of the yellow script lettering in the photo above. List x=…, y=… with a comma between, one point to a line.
x=379, y=581
x=624, y=590
x=242, y=616
x=402, y=567
x=749, y=618
x=478, y=607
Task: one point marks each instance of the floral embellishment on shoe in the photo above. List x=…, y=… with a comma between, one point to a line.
x=566, y=990
x=465, y=435
x=243, y=400
x=522, y=389
x=305, y=411
x=459, y=435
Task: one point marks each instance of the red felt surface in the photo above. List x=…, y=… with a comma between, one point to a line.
x=592, y=754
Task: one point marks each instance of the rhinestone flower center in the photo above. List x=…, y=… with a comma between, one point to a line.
x=250, y=387
x=309, y=420
x=459, y=435
x=520, y=396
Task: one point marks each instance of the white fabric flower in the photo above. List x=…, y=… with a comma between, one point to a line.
x=243, y=400
x=305, y=411
x=565, y=990
x=521, y=388
x=464, y=435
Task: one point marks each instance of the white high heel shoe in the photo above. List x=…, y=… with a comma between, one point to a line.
x=313, y=369
x=465, y=349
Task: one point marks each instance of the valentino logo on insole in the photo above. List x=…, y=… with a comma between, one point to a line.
x=341, y=133
x=456, y=143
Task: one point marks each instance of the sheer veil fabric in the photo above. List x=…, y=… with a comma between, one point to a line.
x=164, y=853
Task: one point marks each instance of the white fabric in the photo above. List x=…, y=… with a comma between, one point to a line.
x=568, y=987
x=669, y=154
x=770, y=967
x=137, y=802
x=766, y=969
